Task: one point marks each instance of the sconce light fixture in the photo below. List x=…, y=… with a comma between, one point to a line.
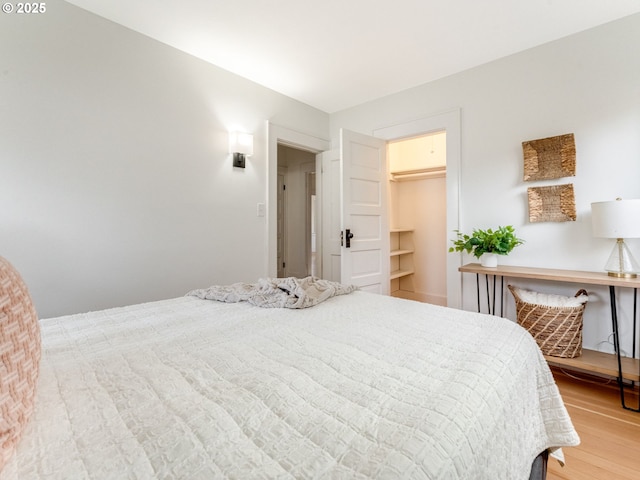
x=618, y=219
x=241, y=146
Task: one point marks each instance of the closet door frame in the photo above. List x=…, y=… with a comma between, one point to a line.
x=449, y=122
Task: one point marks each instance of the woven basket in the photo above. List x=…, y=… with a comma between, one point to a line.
x=557, y=330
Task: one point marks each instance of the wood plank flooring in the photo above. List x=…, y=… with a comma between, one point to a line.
x=609, y=434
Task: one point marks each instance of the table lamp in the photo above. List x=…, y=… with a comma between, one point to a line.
x=618, y=219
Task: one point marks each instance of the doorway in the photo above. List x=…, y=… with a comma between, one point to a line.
x=297, y=213
x=417, y=217
x=448, y=122
x=282, y=136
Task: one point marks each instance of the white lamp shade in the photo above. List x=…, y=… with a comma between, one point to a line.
x=241, y=143
x=616, y=219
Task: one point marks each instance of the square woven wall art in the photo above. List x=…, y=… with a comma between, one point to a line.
x=549, y=158
x=552, y=204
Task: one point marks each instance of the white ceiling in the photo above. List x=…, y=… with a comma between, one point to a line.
x=334, y=54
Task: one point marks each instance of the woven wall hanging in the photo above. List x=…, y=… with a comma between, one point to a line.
x=552, y=204
x=549, y=158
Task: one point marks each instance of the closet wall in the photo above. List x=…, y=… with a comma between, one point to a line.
x=417, y=200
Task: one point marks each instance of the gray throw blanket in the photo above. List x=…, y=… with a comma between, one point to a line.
x=287, y=292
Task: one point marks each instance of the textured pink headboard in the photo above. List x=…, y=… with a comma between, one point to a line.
x=19, y=356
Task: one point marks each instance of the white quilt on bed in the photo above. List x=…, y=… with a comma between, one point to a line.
x=360, y=386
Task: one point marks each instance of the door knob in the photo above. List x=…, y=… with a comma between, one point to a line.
x=349, y=236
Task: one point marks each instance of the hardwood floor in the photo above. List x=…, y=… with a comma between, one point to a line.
x=609, y=434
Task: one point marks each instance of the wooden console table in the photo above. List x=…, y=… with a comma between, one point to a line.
x=614, y=365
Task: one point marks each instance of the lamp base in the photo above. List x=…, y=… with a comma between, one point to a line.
x=621, y=263
x=622, y=275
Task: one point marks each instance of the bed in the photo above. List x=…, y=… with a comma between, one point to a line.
x=358, y=386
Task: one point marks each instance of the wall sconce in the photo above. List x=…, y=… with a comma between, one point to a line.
x=241, y=145
x=618, y=219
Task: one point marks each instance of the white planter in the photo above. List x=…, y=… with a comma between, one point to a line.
x=489, y=260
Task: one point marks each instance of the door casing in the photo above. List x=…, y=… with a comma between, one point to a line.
x=285, y=136
x=448, y=121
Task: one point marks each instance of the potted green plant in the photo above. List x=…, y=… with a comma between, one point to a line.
x=487, y=244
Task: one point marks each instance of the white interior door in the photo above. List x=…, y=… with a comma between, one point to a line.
x=364, y=217
x=331, y=213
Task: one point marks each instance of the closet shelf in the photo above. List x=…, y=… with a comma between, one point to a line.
x=433, y=172
x=400, y=273
x=394, y=253
x=401, y=263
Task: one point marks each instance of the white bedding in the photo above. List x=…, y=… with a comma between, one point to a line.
x=360, y=386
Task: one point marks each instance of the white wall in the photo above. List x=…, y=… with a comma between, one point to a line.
x=115, y=179
x=586, y=84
